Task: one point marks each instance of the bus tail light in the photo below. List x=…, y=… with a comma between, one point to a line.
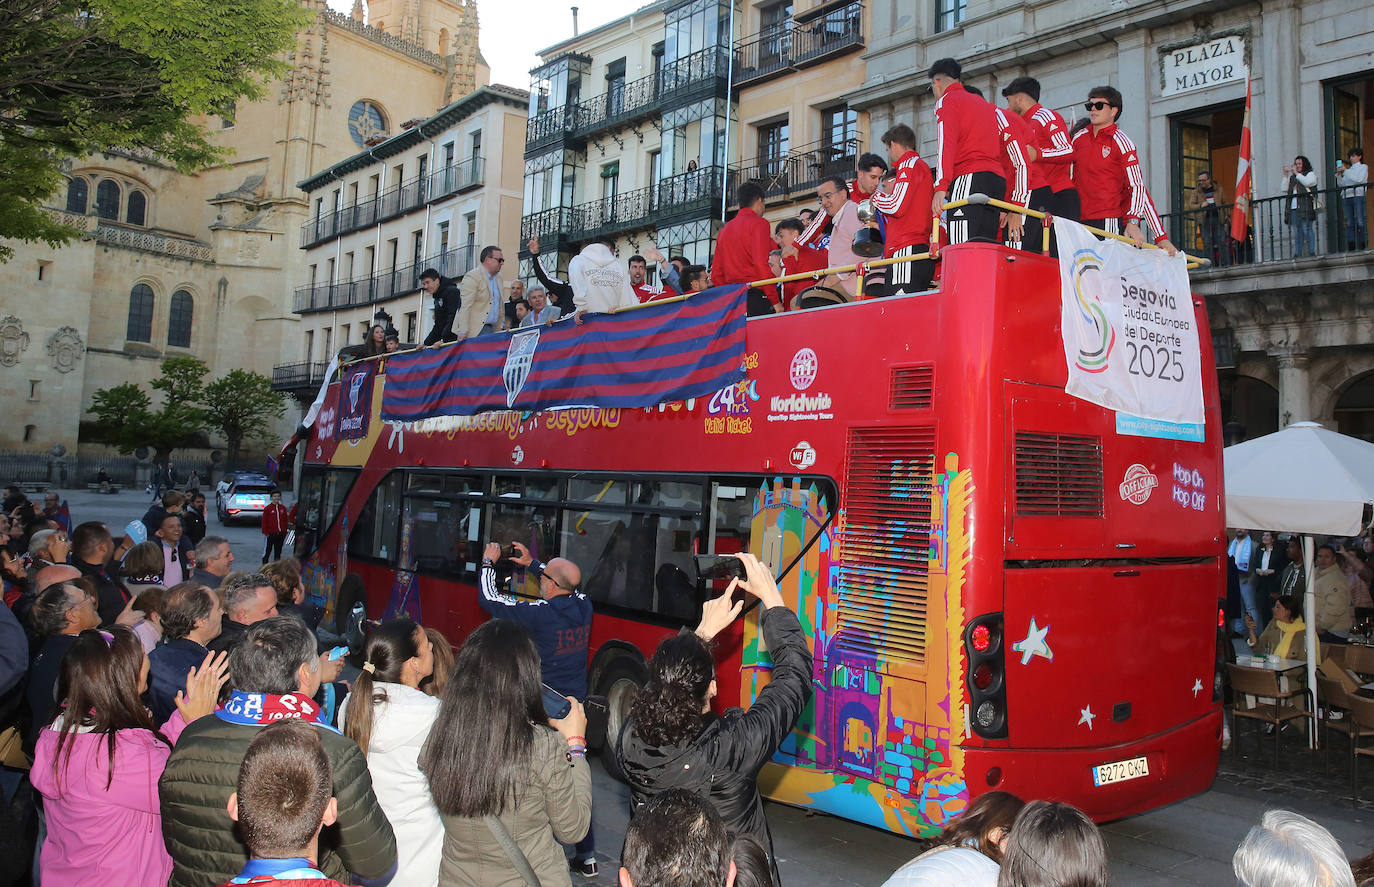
x=986, y=672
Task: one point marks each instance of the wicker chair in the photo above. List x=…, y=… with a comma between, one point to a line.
x=1274, y=706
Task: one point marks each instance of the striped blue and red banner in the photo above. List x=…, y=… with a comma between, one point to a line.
x=637, y=358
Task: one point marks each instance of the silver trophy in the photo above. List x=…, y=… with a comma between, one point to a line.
x=868, y=241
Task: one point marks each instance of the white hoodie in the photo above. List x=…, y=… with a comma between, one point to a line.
x=399, y=729
x=600, y=281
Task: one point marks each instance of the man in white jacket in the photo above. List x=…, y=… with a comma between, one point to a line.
x=599, y=281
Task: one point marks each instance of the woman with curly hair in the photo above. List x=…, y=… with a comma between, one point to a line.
x=672, y=739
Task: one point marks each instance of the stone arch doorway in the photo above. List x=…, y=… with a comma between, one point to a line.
x=1249, y=408
x=1354, y=411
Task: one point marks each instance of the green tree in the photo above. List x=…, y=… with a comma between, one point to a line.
x=125, y=416
x=80, y=76
x=241, y=405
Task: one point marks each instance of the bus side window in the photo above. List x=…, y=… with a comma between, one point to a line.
x=442, y=522
x=374, y=533
x=322, y=494
x=637, y=558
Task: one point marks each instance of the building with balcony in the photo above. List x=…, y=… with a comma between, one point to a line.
x=430, y=196
x=1293, y=332
x=627, y=135
x=795, y=66
x=203, y=265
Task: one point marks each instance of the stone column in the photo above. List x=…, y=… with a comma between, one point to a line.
x=1294, y=389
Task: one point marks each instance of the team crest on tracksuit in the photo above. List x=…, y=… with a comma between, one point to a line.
x=519, y=360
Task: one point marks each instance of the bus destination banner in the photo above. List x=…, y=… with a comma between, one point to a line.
x=636, y=358
x=1130, y=334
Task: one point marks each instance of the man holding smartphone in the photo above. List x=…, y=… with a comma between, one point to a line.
x=561, y=623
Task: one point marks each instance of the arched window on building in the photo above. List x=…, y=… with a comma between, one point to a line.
x=179, y=320
x=140, y=327
x=107, y=199
x=78, y=193
x=136, y=212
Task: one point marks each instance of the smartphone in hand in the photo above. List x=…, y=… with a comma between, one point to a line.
x=719, y=566
x=556, y=705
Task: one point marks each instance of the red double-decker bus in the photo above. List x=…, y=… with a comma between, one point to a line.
x=1003, y=588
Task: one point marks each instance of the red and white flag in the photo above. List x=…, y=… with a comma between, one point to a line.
x=1240, y=212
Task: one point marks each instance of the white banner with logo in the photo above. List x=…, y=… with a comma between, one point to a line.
x=1130, y=334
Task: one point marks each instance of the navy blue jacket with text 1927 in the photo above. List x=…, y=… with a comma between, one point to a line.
x=561, y=627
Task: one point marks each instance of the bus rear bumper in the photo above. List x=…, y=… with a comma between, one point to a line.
x=1182, y=763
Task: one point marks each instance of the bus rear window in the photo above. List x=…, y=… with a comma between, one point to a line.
x=322, y=494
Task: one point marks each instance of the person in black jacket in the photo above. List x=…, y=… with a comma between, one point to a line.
x=446, y=305
x=673, y=740
x=561, y=292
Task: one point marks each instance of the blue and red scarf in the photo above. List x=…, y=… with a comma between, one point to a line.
x=266, y=708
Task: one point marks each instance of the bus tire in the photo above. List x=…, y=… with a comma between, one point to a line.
x=619, y=681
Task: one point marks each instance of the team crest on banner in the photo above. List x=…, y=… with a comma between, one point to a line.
x=519, y=360
x=355, y=403
x=1130, y=332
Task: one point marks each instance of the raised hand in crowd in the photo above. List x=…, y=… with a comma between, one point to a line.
x=129, y=617
x=203, y=684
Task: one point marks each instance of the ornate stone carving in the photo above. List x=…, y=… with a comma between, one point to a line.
x=65, y=349
x=13, y=340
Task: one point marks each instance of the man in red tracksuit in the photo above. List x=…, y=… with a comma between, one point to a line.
x=276, y=521
x=970, y=156
x=1053, y=150
x=742, y=249
x=906, y=213
x=1015, y=170
x=1107, y=174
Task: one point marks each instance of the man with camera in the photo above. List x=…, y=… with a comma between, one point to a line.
x=561, y=623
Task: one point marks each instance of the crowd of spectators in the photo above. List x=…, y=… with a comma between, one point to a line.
x=201, y=736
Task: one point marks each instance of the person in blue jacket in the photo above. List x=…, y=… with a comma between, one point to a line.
x=561, y=623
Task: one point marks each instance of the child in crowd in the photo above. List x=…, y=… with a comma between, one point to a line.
x=282, y=802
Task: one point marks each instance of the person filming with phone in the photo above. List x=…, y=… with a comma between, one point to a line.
x=672, y=739
x=561, y=623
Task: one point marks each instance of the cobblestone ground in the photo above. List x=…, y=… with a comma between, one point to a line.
x=1321, y=776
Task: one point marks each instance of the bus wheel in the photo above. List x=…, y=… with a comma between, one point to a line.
x=619, y=683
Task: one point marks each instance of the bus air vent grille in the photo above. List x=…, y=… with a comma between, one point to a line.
x=911, y=387
x=885, y=542
x=1058, y=475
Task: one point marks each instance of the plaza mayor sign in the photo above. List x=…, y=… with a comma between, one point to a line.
x=1201, y=63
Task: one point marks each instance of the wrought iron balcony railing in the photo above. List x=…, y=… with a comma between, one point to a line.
x=675, y=84
x=797, y=175
x=686, y=194
x=394, y=201
x=304, y=376
x=1276, y=231
x=806, y=42
x=381, y=285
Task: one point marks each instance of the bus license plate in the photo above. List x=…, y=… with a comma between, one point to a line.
x=1120, y=771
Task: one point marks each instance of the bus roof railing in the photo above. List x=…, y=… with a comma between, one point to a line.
x=933, y=252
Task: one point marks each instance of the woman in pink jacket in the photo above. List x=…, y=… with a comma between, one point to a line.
x=98, y=773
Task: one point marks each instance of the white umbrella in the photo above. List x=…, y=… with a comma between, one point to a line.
x=1303, y=479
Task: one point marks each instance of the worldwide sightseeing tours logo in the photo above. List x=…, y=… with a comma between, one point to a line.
x=1096, y=335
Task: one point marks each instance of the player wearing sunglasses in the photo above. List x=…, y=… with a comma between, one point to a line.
x=1108, y=177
